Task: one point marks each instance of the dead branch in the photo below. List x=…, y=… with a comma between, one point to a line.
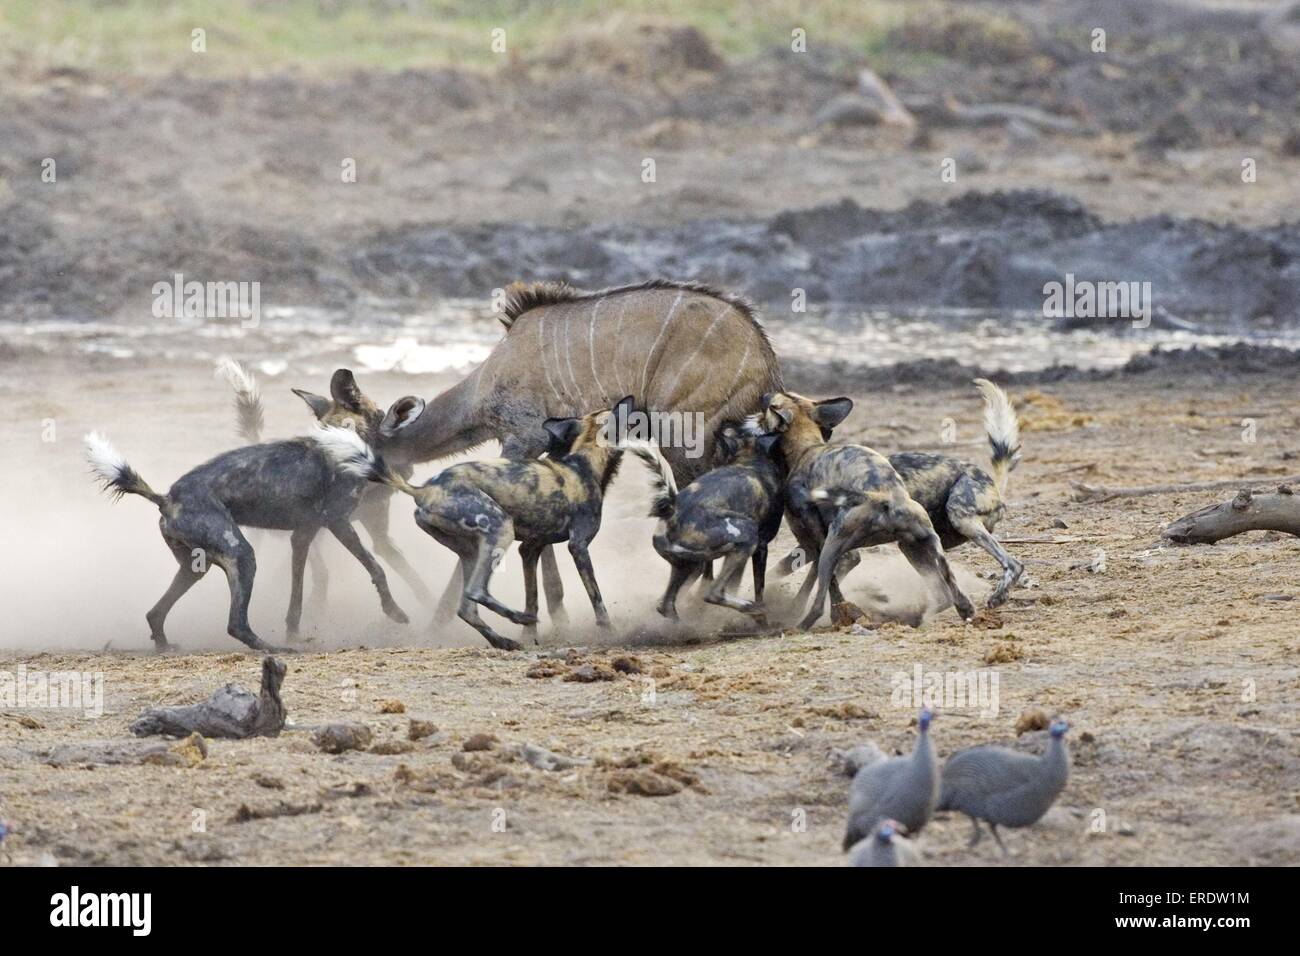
x=1246, y=512
x=1086, y=492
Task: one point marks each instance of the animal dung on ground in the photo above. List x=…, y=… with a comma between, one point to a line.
x=231, y=713
x=392, y=707
x=1033, y=718
x=478, y=742
x=339, y=737
x=419, y=729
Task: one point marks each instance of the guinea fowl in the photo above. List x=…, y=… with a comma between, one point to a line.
x=900, y=788
x=885, y=847
x=1004, y=787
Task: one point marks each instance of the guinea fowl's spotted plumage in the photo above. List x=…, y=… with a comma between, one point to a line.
x=885, y=847
x=1004, y=787
x=900, y=788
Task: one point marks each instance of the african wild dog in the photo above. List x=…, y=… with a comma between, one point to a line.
x=843, y=497
x=372, y=512
x=731, y=512
x=287, y=485
x=478, y=508
x=964, y=501
x=676, y=347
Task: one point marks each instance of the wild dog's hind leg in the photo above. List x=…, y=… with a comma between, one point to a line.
x=495, y=533
x=349, y=538
x=186, y=577
x=925, y=554
x=733, y=568
x=465, y=544
x=234, y=555
x=320, y=576
x=838, y=541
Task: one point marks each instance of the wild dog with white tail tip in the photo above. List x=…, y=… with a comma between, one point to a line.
x=478, y=508
x=372, y=512
x=286, y=485
x=731, y=512
x=843, y=497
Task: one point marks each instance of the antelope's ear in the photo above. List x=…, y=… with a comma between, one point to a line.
x=346, y=391
x=319, y=404
x=561, y=434
x=400, y=414
x=767, y=443
x=830, y=412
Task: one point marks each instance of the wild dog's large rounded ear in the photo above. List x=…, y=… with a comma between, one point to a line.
x=319, y=404
x=400, y=414
x=829, y=412
x=561, y=434
x=346, y=391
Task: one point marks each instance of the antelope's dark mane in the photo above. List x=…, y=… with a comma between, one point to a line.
x=521, y=297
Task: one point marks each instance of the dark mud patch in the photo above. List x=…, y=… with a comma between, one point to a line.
x=979, y=250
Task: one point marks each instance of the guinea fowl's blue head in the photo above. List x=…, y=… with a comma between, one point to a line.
x=1059, y=727
x=927, y=715
x=887, y=830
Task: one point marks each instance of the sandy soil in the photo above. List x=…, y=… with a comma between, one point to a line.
x=1176, y=666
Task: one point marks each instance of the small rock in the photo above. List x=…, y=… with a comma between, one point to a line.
x=392, y=707
x=336, y=738
x=419, y=729
x=846, y=613
x=548, y=667
x=590, y=673
x=267, y=781
x=1126, y=829
x=628, y=665
x=479, y=742
x=1059, y=523
x=544, y=759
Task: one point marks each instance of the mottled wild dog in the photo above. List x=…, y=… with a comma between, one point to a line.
x=964, y=501
x=676, y=347
x=372, y=512
x=844, y=497
x=731, y=512
x=288, y=485
x=478, y=508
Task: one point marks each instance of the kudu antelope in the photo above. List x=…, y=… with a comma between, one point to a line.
x=689, y=355
x=288, y=485
x=478, y=508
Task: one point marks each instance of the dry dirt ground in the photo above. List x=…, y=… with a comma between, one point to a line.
x=1177, y=667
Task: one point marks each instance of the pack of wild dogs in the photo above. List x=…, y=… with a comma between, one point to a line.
x=558, y=393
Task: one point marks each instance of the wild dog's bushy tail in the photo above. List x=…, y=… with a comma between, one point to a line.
x=664, y=502
x=1003, y=429
x=248, y=399
x=354, y=456
x=111, y=470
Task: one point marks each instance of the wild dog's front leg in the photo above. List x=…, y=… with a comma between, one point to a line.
x=582, y=558
x=1011, y=568
x=300, y=541
x=373, y=514
x=838, y=541
x=760, y=572
x=529, y=553
x=349, y=538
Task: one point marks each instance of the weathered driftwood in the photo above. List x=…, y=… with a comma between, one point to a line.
x=232, y=712
x=1085, y=492
x=1246, y=512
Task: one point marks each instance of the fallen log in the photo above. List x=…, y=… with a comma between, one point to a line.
x=1086, y=492
x=1246, y=512
x=232, y=712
